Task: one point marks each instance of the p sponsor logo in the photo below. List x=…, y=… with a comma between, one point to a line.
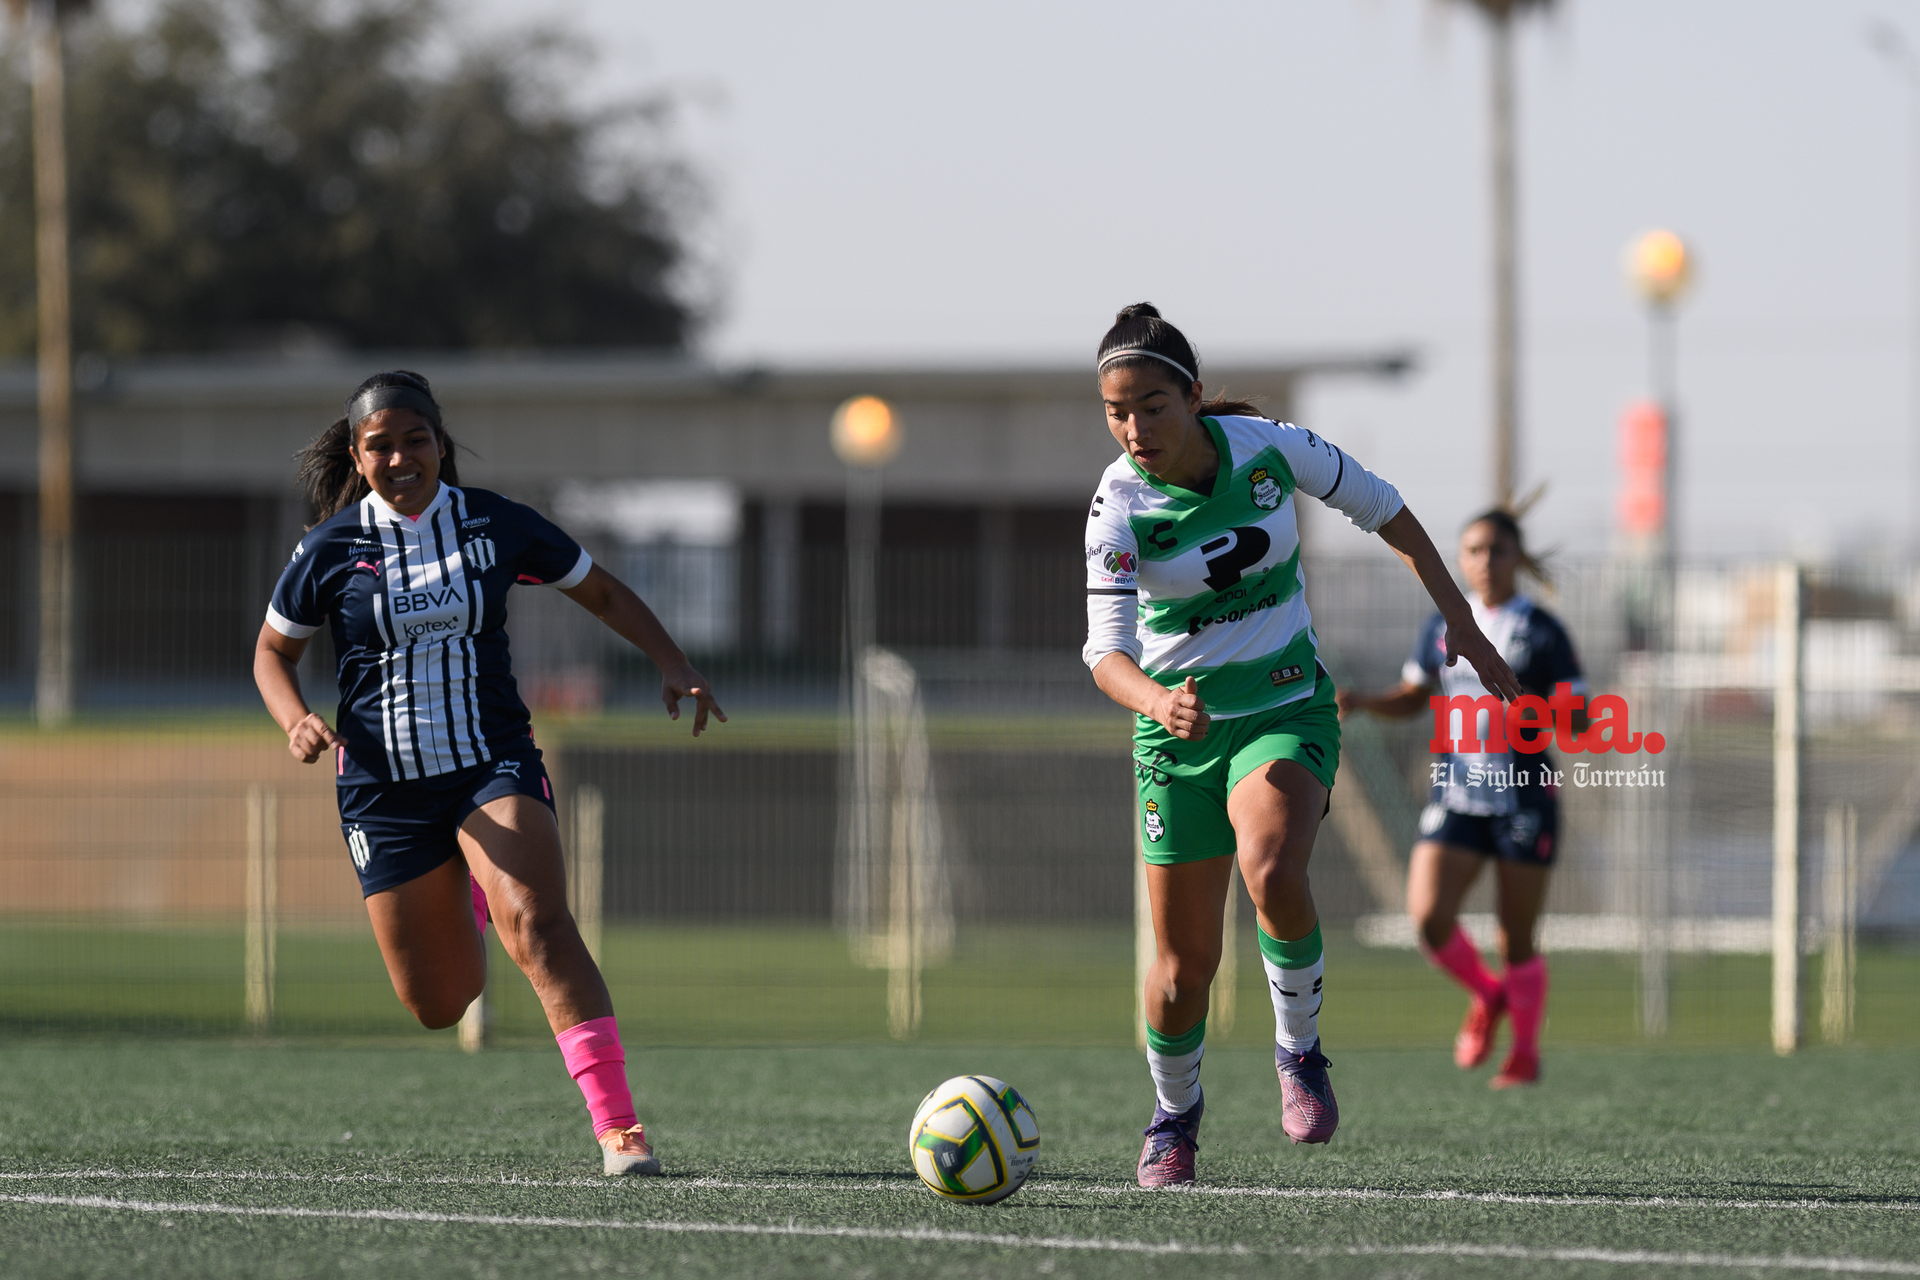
x=358, y=846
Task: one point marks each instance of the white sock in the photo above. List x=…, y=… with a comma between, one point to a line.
x=1176, y=1077
x=1296, y=1003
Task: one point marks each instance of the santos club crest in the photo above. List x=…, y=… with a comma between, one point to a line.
x=1156, y=826
x=479, y=553
x=1266, y=490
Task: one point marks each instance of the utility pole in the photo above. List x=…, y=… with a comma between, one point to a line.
x=53, y=683
x=1505, y=223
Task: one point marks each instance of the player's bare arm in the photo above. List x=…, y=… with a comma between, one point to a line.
x=1464, y=639
x=276, y=662
x=1397, y=703
x=1182, y=711
x=627, y=615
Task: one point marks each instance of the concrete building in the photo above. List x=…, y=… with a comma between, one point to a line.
x=704, y=475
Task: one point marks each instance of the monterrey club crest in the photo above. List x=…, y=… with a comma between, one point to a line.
x=1266, y=490
x=1155, y=824
x=480, y=554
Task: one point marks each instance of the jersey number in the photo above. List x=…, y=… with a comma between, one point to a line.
x=1233, y=551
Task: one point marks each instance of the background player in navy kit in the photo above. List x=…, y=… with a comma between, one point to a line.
x=443, y=796
x=1466, y=823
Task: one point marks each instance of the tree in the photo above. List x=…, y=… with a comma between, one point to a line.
x=246, y=169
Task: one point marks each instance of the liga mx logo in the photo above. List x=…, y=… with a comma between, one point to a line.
x=357, y=845
x=479, y=554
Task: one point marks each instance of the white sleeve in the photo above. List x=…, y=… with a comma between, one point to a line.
x=1322, y=471
x=1113, y=581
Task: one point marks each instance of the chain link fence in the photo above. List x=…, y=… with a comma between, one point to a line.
x=167, y=867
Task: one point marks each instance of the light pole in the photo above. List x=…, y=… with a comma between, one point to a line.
x=1891, y=45
x=866, y=434
x=1505, y=226
x=1660, y=268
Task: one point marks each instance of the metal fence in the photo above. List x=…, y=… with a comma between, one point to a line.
x=166, y=865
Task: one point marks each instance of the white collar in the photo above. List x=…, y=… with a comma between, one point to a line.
x=382, y=511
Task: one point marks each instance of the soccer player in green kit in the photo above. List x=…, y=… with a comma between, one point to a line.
x=1197, y=622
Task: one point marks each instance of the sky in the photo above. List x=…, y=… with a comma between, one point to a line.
x=906, y=183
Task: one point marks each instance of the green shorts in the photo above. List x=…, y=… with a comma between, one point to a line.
x=1184, y=785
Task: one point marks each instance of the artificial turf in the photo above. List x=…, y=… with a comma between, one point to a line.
x=779, y=983
x=1621, y=1162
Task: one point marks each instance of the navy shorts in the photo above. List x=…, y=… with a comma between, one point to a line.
x=1528, y=835
x=399, y=831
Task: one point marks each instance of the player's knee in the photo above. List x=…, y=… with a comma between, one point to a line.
x=1276, y=878
x=438, y=1010
x=1189, y=974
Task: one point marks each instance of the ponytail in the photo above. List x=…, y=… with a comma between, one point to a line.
x=1506, y=522
x=1141, y=339
x=328, y=475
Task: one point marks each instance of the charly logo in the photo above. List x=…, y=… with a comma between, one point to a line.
x=1266, y=490
x=1121, y=562
x=480, y=554
x=1155, y=824
x=357, y=845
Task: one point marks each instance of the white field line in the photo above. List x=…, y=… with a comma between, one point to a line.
x=911, y=1187
x=1615, y=1257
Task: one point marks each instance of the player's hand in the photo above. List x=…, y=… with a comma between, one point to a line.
x=1471, y=643
x=1347, y=701
x=307, y=739
x=682, y=681
x=1184, y=713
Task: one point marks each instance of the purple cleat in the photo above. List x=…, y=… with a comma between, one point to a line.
x=1308, y=1112
x=1167, y=1158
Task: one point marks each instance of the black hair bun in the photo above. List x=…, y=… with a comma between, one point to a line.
x=416, y=377
x=1138, y=311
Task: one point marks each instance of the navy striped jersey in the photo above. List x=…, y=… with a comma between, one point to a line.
x=418, y=607
x=1541, y=654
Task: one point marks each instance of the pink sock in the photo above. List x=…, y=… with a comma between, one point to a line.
x=1527, y=1004
x=479, y=906
x=598, y=1065
x=1461, y=958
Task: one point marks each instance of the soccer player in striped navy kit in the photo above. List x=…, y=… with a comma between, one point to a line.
x=1471, y=819
x=445, y=805
x=1197, y=622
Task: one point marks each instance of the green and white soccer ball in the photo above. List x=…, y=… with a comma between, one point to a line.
x=974, y=1140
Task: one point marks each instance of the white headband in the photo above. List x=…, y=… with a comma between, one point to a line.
x=1125, y=352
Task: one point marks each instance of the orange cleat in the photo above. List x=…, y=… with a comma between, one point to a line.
x=627, y=1153
x=1474, y=1045
x=1517, y=1071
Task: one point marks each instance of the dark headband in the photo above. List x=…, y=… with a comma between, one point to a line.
x=374, y=399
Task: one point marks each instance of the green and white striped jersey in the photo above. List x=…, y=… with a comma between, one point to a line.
x=1209, y=585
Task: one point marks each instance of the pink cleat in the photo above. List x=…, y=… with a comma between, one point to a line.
x=1474, y=1045
x=1519, y=1069
x=628, y=1154
x=1308, y=1112
x=1167, y=1158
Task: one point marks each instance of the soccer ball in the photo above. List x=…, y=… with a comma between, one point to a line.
x=974, y=1140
